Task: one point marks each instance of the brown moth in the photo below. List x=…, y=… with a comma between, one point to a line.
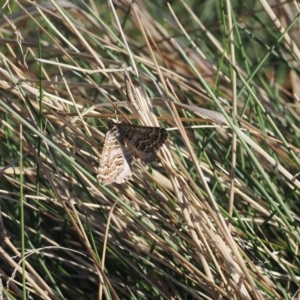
x=122, y=143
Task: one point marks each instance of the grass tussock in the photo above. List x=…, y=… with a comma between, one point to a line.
x=217, y=217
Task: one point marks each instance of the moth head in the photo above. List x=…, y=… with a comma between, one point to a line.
x=110, y=123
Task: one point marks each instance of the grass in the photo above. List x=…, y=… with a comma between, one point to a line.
x=217, y=217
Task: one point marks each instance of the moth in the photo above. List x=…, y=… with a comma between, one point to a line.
x=122, y=143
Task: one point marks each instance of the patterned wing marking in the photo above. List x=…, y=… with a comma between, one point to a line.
x=115, y=163
x=144, y=138
x=146, y=157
